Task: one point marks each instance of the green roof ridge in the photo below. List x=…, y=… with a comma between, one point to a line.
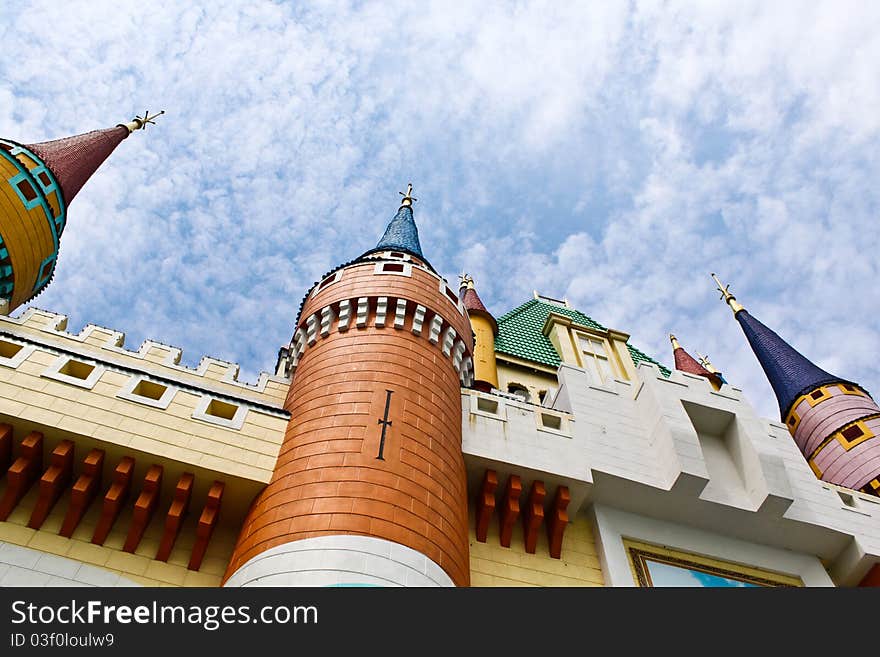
x=520, y=334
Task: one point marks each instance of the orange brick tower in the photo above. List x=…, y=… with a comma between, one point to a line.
x=369, y=486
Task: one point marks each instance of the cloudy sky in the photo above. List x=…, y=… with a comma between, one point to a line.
x=613, y=153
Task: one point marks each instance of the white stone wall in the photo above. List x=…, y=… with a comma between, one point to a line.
x=345, y=560
x=22, y=566
x=613, y=526
x=672, y=450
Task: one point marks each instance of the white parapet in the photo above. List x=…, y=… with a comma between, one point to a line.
x=340, y=561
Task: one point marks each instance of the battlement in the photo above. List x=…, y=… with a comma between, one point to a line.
x=104, y=343
x=673, y=449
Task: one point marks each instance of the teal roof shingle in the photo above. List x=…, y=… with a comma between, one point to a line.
x=520, y=334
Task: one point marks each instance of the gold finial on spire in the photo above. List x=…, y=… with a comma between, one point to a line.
x=704, y=361
x=674, y=342
x=729, y=299
x=407, y=198
x=462, y=280
x=141, y=122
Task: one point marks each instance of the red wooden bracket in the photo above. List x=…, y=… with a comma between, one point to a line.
x=207, y=522
x=84, y=491
x=176, y=513
x=873, y=576
x=486, y=504
x=533, y=516
x=510, y=508
x=53, y=482
x=5, y=448
x=144, y=507
x=22, y=473
x=558, y=521
x=116, y=496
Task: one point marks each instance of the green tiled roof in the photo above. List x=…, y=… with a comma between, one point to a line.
x=519, y=334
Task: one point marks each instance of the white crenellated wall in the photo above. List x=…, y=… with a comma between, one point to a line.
x=691, y=466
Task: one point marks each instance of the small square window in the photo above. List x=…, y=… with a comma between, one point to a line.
x=847, y=499
x=818, y=394
x=143, y=391
x=9, y=349
x=329, y=280
x=491, y=407
x=149, y=389
x=75, y=372
x=44, y=178
x=221, y=409
x=396, y=268
x=13, y=354
x=216, y=411
x=77, y=369
x=27, y=190
x=551, y=421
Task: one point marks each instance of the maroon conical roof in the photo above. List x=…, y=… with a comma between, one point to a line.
x=471, y=300
x=687, y=363
x=73, y=160
x=473, y=304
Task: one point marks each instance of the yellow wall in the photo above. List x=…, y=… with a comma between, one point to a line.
x=242, y=458
x=494, y=565
x=484, y=350
x=534, y=381
x=97, y=417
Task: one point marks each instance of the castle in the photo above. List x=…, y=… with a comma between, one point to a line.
x=407, y=436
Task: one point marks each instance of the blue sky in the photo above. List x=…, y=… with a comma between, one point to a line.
x=613, y=153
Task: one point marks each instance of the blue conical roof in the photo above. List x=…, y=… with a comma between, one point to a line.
x=401, y=234
x=791, y=374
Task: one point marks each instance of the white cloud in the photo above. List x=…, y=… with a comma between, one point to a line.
x=611, y=155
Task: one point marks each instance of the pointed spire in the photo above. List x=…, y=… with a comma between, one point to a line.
x=790, y=373
x=485, y=328
x=686, y=363
x=73, y=160
x=729, y=299
x=401, y=233
x=472, y=302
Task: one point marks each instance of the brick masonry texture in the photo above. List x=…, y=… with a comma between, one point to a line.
x=328, y=479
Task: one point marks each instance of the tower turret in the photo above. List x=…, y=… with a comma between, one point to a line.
x=687, y=363
x=370, y=475
x=834, y=421
x=485, y=330
x=37, y=183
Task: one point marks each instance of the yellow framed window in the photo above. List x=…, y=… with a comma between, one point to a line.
x=660, y=566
